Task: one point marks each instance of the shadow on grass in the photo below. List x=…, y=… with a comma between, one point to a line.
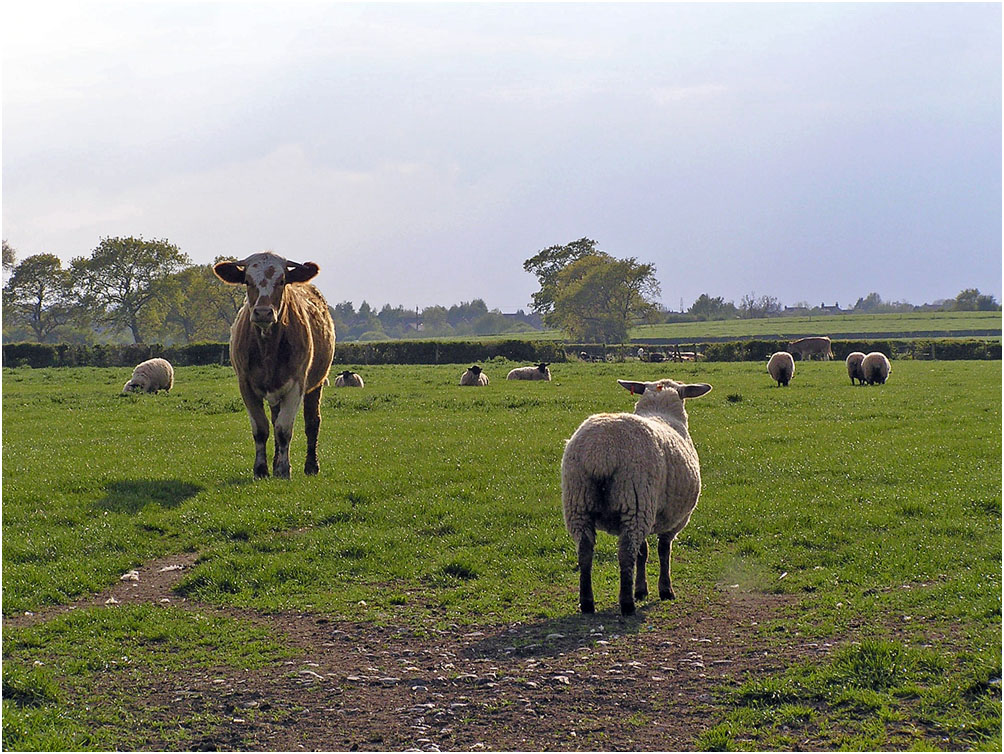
x=550, y=638
x=132, y=495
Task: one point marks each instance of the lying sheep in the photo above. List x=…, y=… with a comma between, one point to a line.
x=876, y=368
x=854, y=370
x=781, y=367
x=150, y=376
x=539, y=372
x=348, y=378
x=632, y=475
x=474, y=376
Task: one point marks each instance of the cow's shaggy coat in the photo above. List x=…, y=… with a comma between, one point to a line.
x=281, y=346
x=632, y=475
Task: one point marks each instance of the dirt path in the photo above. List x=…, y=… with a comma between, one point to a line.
x=578, y=683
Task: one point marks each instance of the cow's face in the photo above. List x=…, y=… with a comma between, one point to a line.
x=266, y=276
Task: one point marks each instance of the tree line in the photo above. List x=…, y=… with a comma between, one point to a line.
x=136, y=290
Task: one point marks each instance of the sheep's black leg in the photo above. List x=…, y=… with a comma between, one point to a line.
x=641, y=580
x=585, y=546
x=665, y=550
x=627, y=556
x=311, y=425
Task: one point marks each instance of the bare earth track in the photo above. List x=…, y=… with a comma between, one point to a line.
x=578, y=683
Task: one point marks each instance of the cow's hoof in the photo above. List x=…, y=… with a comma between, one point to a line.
x=627, y=608
x=587, y=607
x=667, y=594
x=261, y=472
x=311, y=469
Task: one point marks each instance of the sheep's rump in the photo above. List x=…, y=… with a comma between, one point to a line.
x=781, y=367
x=854, y=368
x=529, y=373
x=625, y=472
x=150, y=376
x=876, y=368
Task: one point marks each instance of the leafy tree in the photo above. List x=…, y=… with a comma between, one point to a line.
x=971, y=300
x=193, y=305
x=597, y=297
x=38, y=294
x=548, y=263
x=8, y=256
x=123, y=276
x=706, y=307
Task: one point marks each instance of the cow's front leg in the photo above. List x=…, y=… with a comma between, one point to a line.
x=284, y=413
x=259, y=431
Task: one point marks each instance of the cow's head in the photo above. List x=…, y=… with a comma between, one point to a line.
x=266, y=275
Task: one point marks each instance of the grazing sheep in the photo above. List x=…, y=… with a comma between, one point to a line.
x=632, y=475
x=474, y=376
x=781, y=367
x=854, y=370
x=348, y=378
x=539, y=372
x=150, y=376
x=876, y=368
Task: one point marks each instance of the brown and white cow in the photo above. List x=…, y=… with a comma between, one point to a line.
x=281, y=346
x=805, y=348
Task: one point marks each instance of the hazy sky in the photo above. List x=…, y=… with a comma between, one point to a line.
x=420, y=152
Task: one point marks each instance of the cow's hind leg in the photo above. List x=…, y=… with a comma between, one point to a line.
x=259, y=431
x=284, y=414
x=312, y=423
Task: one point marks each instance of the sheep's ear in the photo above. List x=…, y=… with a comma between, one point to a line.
x=229, y=272
x=635, y=388
x=300, y=273
x=694, y=391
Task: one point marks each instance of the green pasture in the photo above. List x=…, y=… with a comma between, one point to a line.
x=878, y=509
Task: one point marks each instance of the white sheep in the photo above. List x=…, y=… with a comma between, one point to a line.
x=348, y=378
x=876, y=368
x=632, y=475
x=854, y=370
x=150, y=376
x=474, y=376
x=781, y=367
x=539, y=372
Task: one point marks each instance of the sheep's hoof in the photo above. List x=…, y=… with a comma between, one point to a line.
x=587, y=607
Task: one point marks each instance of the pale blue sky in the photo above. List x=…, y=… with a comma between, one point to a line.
x=419, y=153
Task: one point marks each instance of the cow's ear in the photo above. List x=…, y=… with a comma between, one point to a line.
x=229, y=272
x=301, y=273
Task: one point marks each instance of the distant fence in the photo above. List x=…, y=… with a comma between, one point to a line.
x=40, y=355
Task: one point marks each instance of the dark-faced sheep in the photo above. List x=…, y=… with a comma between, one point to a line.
x=474, y=376
x=539, y=372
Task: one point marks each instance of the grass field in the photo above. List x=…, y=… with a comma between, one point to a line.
x=876, y=510
x=836, y=326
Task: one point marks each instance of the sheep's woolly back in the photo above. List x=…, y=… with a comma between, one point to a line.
x=530, y=373
x=349, y=379
x=854, y=370
x=150, y=376
x=876, y=368
x=781, y=367
x=633, y=472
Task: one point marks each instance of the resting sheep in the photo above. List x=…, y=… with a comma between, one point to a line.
x=348, y=378
x=150, y=376
x=876, y=368
x=854, y=370
x=539, y=372
x=474, y=376
x=781, y=367
x=632, y=475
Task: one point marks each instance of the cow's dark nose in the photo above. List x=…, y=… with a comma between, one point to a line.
x=263, y=315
